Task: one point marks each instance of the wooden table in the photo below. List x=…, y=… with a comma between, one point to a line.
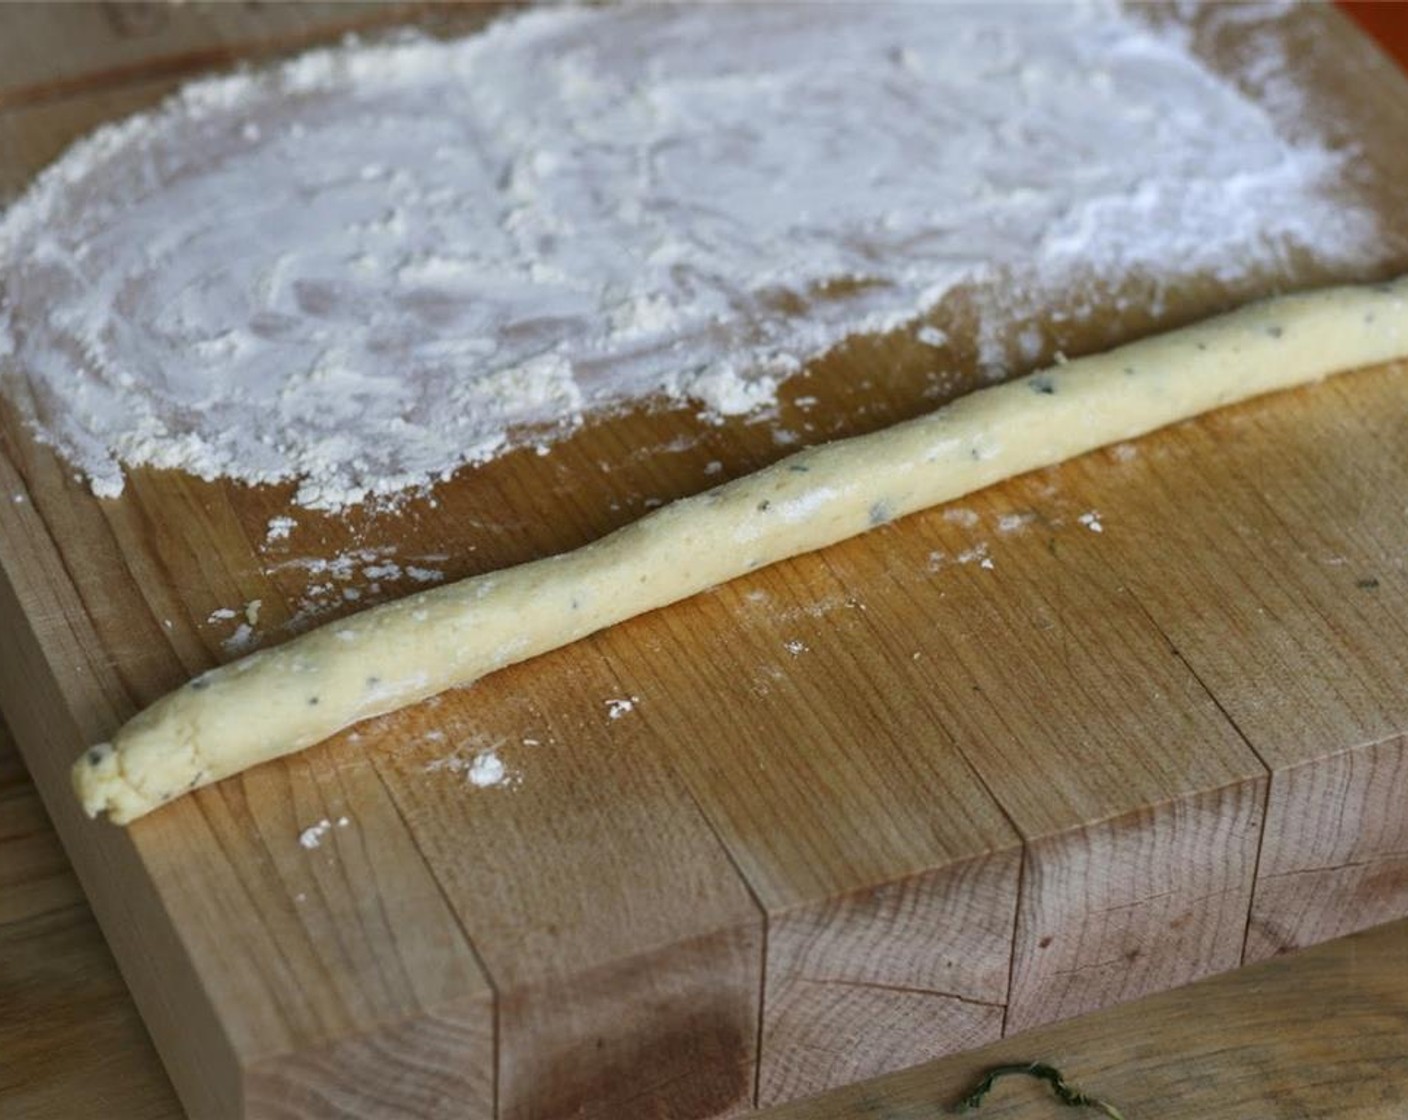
x=1323, y=1033
x=1319, y=1034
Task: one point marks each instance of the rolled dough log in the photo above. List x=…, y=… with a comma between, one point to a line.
x=277, y=701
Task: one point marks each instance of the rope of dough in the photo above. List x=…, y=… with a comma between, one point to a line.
x=277, y=701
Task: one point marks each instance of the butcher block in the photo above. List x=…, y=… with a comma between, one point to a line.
x=1095, y=732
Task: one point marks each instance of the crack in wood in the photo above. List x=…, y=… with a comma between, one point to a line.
x=903, y=989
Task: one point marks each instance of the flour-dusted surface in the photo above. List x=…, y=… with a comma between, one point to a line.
x=373, y=265
x=400, y=653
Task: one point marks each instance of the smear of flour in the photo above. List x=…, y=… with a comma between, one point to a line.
x=240, y=641
x=487, y=769
x=620, y=706
x=329, y=577
x=483, y=768
x=372, y=265
x=279, y=529
x=1015, y=522
x=312, y=836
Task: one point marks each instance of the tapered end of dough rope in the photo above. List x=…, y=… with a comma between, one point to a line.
x=102, y=788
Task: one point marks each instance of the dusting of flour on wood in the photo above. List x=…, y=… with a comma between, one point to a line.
x=480, y=765
x=348, y=575
x=312, y=836
x=370, y=266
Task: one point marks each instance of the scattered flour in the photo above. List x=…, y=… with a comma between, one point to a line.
x=240, y=641
x=312, y=836
x=487, y=769
x=482, y=768
x=279, y=529
x=373, y=566
x=977, y=554
x=1015, y=522
x=1091, y=521
x=616, y=708
x=368, y=266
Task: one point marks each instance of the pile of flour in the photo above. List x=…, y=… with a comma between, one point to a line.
x=373, y=265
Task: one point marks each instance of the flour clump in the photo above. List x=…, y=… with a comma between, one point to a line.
x=370, y=266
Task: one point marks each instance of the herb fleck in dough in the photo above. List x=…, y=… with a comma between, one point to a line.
x=278, y=701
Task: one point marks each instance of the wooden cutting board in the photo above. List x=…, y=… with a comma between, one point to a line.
x=863, y=808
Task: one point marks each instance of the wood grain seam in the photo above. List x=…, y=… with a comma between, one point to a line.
x=35, y=536
x=1266, y=777
x=95, y=686
x=251, y=903
x=270, y=592
x=1227, y=1047
x=367, y=1032
x=905, y=989
x=454, y=913
x=18, y=788
x=71, y=578
x=681, y=781
x=1349, y=865
x=937, y=716
x=762, y=1005
x=140, y=584
x=936, y=713
x=763, y=923
x=1016, y=928
x=77, y=908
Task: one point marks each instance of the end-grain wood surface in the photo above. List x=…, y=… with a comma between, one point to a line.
x=1319, y=1035
x=868, y=807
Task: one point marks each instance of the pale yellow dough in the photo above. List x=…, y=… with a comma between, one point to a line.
x=281, y=700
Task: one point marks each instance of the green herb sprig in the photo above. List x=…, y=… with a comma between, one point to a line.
x=1067, y=1093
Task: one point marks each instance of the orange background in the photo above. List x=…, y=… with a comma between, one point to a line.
x=1386, y=21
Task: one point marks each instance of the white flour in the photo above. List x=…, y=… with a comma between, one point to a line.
x=620, y=706
x=279, y=529
x=487, y=769
x=312, y=836
x=371, y=266
x=483, y=769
